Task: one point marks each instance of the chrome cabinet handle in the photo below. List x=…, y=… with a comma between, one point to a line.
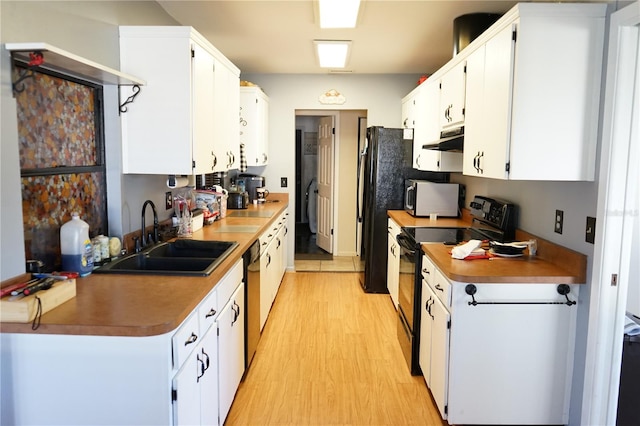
x=211, y=313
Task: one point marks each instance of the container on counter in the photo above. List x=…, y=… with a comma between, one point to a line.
x=104, y=248
x=76, y=247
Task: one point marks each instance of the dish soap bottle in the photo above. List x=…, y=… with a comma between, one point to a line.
x=75, y=246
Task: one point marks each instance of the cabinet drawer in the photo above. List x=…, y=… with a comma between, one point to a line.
x=185, y=339
x=208, y=311
x=428, y=270
x=441, y=287
x=228, y=284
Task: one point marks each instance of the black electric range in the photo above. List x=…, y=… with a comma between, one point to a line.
x=493, y=220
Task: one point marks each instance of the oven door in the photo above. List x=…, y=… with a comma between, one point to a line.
x=407, y=277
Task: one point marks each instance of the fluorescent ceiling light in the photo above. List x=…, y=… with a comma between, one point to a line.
x=332, y=54
x=338, y=13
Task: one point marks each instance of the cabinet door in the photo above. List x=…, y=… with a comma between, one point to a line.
x=408, y=108
x=285, y=246
x=203, y=113
x=427, y=123
x=226, y=104
x=265, y=286
x=157, y=127
x=426, y=325
x=475, y=132
x=232, y=123
x=254, y=119
x=452, y=97
x=230, y=350
x=498, y=82
x=186, y=391
x=195, y=386
x=440, y=333
x=393, y=267
x=273, y=271
x=207, y=354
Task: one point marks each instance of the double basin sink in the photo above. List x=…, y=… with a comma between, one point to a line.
x=179, y=257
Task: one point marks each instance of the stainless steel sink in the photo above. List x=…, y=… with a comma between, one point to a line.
x=180, y=257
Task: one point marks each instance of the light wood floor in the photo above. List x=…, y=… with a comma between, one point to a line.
x=329, y=356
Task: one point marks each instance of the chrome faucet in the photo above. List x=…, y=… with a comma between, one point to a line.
x=155, y=223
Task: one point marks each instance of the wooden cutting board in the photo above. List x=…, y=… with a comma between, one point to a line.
x=25, y=309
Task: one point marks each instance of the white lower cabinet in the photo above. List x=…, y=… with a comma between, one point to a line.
x=188, y=376
x=497, y=353
x=230, y=325
x=266, y=274
x=196, y=384
x=434, y=346
x=393, y=261
x=273, y=263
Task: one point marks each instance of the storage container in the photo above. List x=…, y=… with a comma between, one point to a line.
x=76, y=247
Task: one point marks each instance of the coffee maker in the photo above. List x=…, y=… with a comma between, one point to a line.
x=250, y=183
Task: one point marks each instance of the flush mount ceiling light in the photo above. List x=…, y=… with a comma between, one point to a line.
x=332, y=53
x=338, y=13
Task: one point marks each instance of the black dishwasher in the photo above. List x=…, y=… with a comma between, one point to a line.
x=251, y=260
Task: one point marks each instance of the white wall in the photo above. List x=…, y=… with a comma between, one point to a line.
x=379, y=95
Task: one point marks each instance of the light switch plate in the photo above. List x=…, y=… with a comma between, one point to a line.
x=283, y=182
x=168, y=200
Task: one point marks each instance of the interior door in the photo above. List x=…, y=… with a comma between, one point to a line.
x=324, y=235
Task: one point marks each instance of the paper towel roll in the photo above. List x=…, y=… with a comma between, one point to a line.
x=177, y=181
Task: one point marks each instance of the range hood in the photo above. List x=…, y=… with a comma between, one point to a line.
x=450, y=140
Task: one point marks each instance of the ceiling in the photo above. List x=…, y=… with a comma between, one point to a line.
x=392, y=36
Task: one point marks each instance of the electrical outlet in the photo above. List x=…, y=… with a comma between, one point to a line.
x=590, y=233
x=168, y=200
x=559, y=221
x=283, y=182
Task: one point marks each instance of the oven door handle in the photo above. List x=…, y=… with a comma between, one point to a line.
x=406, y=243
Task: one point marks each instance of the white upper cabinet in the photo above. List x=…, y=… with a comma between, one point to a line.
x=254, y=125
x=527, y=91
x=226, y=139
x=183, y=121
x=533, y=90
x=452, y=97
x=430, y=127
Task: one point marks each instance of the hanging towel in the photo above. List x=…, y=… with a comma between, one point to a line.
x=243, y=159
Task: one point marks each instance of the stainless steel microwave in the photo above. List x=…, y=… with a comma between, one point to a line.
x=423, y=198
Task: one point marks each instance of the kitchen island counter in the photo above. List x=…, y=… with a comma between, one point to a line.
x=552, y=263
x=149, y=305
x=525, y=269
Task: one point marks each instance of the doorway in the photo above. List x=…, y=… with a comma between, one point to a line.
x=306, y=228
x=327, y=195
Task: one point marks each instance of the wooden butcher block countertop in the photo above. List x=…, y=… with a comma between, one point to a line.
x=552, y=263
x=147, y=305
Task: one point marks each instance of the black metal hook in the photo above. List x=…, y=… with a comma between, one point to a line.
x=471, y=289
x=130, y=99
x=37, y=59
x=27, y=73
x=564, y=290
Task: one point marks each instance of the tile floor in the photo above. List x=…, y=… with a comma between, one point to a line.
x=338, y=264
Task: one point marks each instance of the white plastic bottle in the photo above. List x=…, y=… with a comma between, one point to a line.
x=75, y=246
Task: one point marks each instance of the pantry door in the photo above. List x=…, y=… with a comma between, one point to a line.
x=324, y=236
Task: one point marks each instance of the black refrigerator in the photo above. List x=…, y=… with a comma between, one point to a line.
x=385, y=162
